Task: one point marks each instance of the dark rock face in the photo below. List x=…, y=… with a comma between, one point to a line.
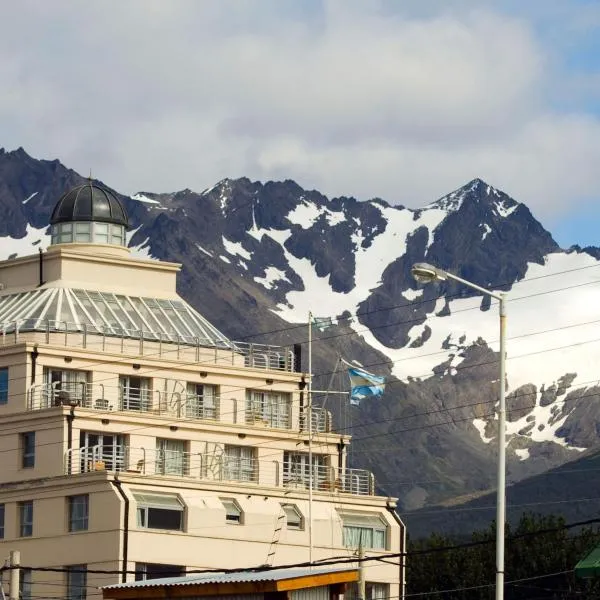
x=419, y=439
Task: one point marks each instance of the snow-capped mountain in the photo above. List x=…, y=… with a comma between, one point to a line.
x=259, y=257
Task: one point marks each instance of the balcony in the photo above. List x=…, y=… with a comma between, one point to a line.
x=137, y=342
x=174, y=405
x=218, y=468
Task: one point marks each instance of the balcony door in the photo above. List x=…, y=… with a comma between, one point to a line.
x=65, y=386
x=135, y=393
x=100, y=451
x=171, y=457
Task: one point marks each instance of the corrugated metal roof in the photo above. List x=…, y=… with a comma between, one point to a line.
x=238, y=577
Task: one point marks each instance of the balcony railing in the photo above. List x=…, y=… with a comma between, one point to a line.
x=104, y=398
x=214, y=467
x=141, y=343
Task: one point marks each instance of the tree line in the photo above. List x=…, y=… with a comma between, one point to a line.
x=537, y=546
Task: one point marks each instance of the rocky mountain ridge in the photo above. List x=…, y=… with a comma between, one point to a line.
x=257, y=257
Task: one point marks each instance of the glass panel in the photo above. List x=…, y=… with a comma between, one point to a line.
x=78, y=512
x=77, y=582
x=4, y=385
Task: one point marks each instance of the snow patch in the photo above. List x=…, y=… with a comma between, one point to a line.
x=30, y=197
x=204, y=250
x=142, y=198
x=25, y=246
x=411, y=295
x=225, y=259
x=272, y=276
x=486, y=230
x=522, y=453
x=480, y=425
x=236, y=249
x=505, y=209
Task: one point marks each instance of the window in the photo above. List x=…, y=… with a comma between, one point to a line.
x=1, y=521
x=233, y=511
x=78, y=512
x=25, y=584
x=99, y=451
x=270, y=408
x=368, y=531
x=26, y=518
x=135, y=393
x=293, y=517
x=144, y=571
x=82, y=232
x=373, y=591
x=156, y=511
x=66, y=385
x=239, y=463
x=28, y=450
x=76, y=582
x=3, y=385
x=296, y=471
x=201, y=401
x=171, y=457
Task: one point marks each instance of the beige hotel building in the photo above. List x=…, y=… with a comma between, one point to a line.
x=135, y=438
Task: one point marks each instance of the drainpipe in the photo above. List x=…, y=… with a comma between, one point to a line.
x=41, y=268
x=119, y=487
x=70, y=419
x=391, y=507
x=34, y=355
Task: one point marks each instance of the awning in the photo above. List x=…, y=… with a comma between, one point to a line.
x=590, y=565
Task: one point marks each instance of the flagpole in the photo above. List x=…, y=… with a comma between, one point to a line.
x=310, y=472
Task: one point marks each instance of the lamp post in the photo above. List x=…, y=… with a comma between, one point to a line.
x=426, y=273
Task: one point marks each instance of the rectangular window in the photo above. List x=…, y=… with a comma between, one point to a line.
x=171, y=457
x=296, y=471
x=268, y=408
x=135, y=393
x=240, y=464
x=368, y=531
x=99, y=451
x=76, y=582
x=201, y=401
x=156, y=511
x=293, y=516
x=373, y=591
x=144, y=571
x=233, y=512
x=78, y=512
x=2, y=508
x=28, y=450
x=25, y=584
x=26, y=518
x=66, y=386
x=3, y=385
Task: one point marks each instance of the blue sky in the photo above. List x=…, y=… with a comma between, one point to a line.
x=402, y=100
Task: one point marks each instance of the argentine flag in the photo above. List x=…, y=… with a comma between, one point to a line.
x=364, y=384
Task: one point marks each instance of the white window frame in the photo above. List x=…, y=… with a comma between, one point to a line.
x=148, y=501
x=294, y=519
x=370, y=530
x=234, y=515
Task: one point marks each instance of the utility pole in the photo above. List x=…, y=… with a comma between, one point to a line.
x=362, y=588
x=14, y=563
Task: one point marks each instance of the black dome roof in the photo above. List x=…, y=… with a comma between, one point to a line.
x=89, y=202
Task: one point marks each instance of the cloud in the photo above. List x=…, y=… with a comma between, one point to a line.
x=347, y=97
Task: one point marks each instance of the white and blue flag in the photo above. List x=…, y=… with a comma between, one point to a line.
x=364, y=384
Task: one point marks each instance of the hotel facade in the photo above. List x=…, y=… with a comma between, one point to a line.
x=137, y=441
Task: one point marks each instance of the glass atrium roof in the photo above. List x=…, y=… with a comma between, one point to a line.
x=60, y=309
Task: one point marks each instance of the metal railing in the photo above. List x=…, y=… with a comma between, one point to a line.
x=145, y=343
x=98, y=396
x=217, y=467
x=179, y=405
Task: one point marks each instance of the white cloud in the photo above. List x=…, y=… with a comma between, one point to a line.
x=349, y=97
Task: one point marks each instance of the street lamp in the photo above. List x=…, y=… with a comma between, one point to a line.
x=426, y=273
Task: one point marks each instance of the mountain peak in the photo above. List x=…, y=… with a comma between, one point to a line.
x=477, y=192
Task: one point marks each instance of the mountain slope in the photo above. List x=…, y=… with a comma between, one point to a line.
x=258, y=257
